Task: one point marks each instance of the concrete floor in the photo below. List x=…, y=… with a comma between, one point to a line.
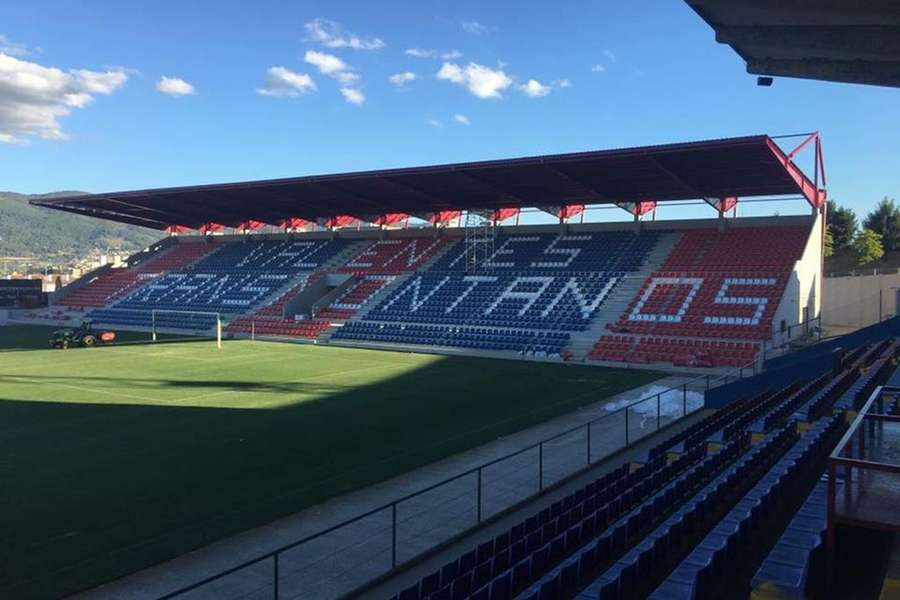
x=336, y=564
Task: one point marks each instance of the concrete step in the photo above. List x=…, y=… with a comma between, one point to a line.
x=580, y=343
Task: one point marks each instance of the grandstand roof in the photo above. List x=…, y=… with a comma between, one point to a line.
x=741, y=167
x=831, y=40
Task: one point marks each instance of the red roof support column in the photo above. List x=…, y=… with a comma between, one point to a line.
x=389, y=219
x=294, y=223
x=210, y=227
x=250, y=225
x=502, y=214
x=723, y=205
x=565, y=212
x=443, y=217
x=340, y=221
x=638, y=209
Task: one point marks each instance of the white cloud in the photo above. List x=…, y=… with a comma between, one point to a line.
x=330, y=34
x=420, y=53
x=33, y=98
x=400, y=79
x=609, y=55
x=476, y=28
x=346, y=76
x=434, y=123
x=284, y=83
x=11, y=48
x=96, y=82
x=463, y=119
x=173, y=86
x=353, y=95
x=331, y=65
x=328, y=64
x=534, y=89
x=334, y=67
x=598, y=68
x=482, y=82
x=564, y=83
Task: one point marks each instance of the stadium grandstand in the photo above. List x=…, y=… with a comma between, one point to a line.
x=402, y=385
x=757, y=468
x=702, y=293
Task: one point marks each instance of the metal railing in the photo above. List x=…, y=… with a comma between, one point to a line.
x=870, y=488
x=469, y=498
x=792, y=333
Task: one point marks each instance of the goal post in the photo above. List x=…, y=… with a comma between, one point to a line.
x=184, y=319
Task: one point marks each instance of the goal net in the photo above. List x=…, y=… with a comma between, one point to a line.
x=189, y=322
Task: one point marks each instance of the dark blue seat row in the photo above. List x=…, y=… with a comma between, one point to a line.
x=508, y=563
x=626, y=579
x=610, y=546
x=534, y=343
x=745, y=532
x=859, y=392
x=794, y=567
x=532, y=284
x=707, y=429
x=778, y=416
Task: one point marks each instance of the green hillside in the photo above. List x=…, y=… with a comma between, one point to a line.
x=56, y=238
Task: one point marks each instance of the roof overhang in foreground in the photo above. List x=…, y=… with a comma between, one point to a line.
x=712, y=170
x=831, y=40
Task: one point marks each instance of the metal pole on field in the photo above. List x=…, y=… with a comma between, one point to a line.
x=253, y=329
x=153, y=325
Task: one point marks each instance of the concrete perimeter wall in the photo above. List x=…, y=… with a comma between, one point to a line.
x=858, y=301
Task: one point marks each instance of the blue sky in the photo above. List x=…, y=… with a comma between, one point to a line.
x=80, y=107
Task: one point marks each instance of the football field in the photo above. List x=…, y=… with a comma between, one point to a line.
x=116, y=458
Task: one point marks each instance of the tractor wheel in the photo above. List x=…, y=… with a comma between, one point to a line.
x=88, y=341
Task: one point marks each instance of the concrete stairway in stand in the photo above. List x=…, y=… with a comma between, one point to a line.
x=581, y=342
x=376, y=298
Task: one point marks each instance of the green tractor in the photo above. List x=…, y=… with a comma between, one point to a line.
x=83, y=337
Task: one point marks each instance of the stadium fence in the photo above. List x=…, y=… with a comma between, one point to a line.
x=552, y=461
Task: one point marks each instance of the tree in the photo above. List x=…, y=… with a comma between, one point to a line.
x=885, y=221
x=829, y=243
x=842, y=224
x=868, y=246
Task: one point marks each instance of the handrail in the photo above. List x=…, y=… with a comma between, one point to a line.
x=392, y=505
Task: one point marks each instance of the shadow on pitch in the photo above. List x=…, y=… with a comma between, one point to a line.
x=131, y=383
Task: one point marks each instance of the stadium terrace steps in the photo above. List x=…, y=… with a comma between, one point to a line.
x=528, y=297
x=116, y=283
x=401, y=279
x=232, y=280
x=713, y=287
x=794, y=568
x=707, y=509
x=582, y=342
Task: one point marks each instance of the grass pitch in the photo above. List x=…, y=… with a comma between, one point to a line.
x=116, y=458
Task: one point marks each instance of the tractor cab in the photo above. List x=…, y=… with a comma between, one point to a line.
x=82, y=336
